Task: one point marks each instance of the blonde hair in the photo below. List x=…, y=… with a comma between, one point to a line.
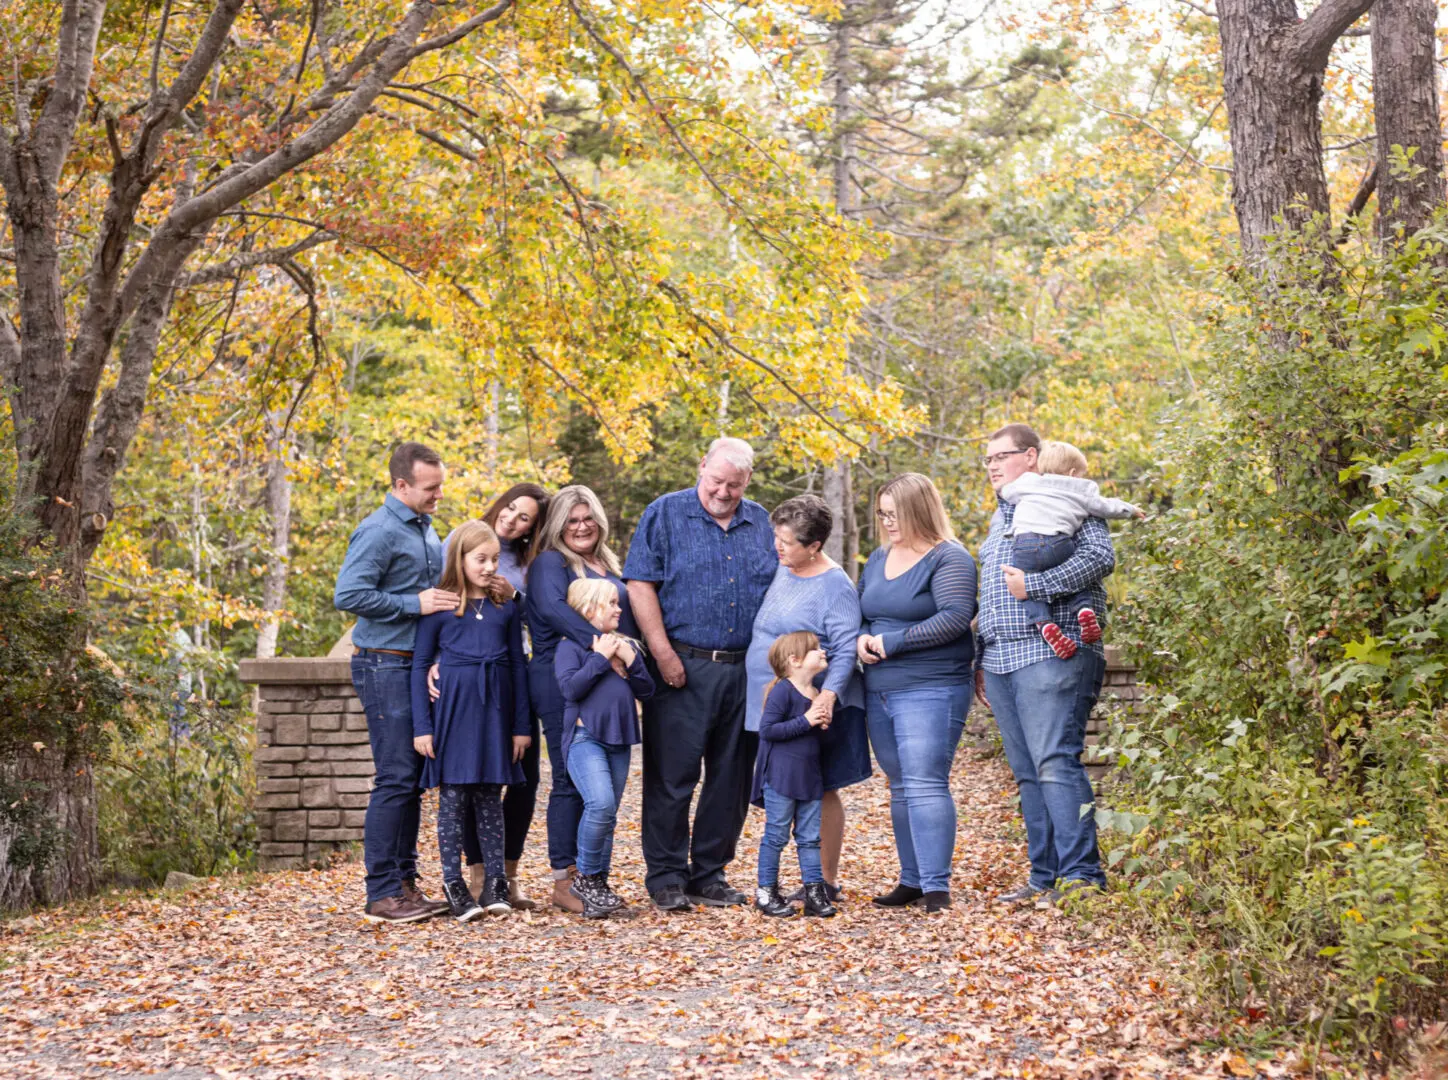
x=1060, y=458
x=463, y=539
x=918, y=509
x=590, y=594
x=550, y=536
x=797, y=644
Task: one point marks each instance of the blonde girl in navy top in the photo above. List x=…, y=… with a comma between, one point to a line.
x=601, y=688
x=788, y=781
x=476, y=733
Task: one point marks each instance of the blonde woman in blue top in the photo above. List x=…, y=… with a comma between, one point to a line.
x=474, y=736
x=601, y=688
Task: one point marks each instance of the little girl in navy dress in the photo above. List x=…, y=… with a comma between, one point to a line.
x=601, y=689
x=475, y=734
x=788, y=781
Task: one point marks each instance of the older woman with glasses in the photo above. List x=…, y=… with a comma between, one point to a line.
x=573, y=544
x=917, y=596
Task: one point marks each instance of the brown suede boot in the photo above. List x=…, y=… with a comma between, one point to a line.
x=515, y=894
x=562, y=896
x=477, y=875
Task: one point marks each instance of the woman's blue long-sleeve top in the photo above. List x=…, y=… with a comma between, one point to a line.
x=551, y=620
x=598, y=697
x=482, y=693
x=924, y=616
x=789, y=748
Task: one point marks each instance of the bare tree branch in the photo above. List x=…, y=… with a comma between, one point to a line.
x=1310, y=44
x=233, y=267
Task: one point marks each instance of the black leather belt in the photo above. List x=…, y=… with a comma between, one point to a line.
x=719, y=656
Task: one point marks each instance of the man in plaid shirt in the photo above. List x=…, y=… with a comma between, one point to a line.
x=1041, y=703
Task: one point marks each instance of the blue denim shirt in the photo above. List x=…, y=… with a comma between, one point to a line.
x=392, y=556
x=711, y=581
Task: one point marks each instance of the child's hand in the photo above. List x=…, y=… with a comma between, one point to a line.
x=520, y=746
x=625, y=652
x=423, y=745
x=432, y=691
x=619, y=669
x=1140, y=513
x=817, y=714
x=1015, y=581
x=606, y=645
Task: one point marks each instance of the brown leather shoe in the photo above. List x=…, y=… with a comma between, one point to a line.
x=515, y=894
x=563, y=897
x=395, y=909
x=413, y=894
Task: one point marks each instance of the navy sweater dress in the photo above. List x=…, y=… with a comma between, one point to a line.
x=789, y=749
x=483, y=702
x=605, y=703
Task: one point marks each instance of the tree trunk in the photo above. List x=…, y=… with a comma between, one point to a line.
x=1272, y=70
x=278, y=497
x=1405, y=113
x=67, y=790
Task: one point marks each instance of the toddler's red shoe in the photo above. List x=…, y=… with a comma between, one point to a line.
x=1061, y=645
x=1090, y=628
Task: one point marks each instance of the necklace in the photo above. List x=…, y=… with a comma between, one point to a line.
x=478, y=611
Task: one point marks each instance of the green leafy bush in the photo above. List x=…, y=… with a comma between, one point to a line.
x=1283, y=806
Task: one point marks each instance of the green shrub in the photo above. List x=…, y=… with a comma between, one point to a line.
x=1282, y=807
x=177, y=795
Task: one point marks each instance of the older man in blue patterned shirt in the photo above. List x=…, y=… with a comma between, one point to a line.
x=1041, y=703
x=698, y=567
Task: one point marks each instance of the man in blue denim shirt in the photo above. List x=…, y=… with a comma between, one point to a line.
x=698, y=567
x=1041, y=703
x=387, y=580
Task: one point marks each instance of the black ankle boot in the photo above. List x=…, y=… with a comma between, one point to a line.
x=817, y=901
x=609, y=897
x=495, y=896
x=590, y=890
x=771, y=903
x=460, y=902
x=899, y=896
x=937, y=901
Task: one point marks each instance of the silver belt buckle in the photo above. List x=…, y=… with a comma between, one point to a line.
x=714, y=656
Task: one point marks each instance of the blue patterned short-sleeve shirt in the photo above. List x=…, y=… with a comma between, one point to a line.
x=711, y=581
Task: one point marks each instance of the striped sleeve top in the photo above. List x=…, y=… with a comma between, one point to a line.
x=924, y=616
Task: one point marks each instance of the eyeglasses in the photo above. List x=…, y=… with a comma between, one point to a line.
x=887, y=517
x=992, y=459
x=581, y=526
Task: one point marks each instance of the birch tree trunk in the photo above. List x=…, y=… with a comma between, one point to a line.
x=278, y=500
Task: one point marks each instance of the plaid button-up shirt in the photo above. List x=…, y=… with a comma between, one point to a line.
x=1008, y=642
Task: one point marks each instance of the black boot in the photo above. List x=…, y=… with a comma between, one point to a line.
x=771, y=903
x=937, y=901
x=614, y=901
x=817, y=901
x=460, y=902
x=590, y=890
x=495, y=896
x=899, y=896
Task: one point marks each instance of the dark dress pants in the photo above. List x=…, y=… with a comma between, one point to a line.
x=699, y=724
x=518, y=804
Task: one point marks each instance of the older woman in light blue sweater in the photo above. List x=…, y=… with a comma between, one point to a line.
x=811, y=592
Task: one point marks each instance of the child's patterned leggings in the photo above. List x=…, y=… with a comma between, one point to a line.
x=484, y=802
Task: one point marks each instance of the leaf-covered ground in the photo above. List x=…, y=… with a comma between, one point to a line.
x=282, y=978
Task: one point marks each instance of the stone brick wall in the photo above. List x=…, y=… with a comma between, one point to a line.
x=314, y=764
x=313, y=761
x=1121, y=685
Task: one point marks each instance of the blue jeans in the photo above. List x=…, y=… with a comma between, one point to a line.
x=565, y=805
x=599, y=772
x=779, y=812
x=1041, y=710
x=915, y=733
x=1035, y=553
x=389, y=839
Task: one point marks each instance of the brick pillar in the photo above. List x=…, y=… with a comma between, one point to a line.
x=313, y=761
x=1120, y=688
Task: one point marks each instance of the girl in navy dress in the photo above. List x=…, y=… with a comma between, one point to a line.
x=601, y=689
x=788, y=781
x=475, y=734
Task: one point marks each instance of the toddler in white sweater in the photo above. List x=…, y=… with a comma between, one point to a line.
x=1050, y=507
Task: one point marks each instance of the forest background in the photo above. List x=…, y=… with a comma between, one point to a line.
x=579, y=240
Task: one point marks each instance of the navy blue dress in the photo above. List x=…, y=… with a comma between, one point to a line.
x=551, y=620
x=483, y=685
x=789, y=749
x=603, y=700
